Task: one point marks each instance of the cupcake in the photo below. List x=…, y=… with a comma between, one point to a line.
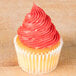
x=38, y=44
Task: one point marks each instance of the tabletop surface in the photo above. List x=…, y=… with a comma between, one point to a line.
x=63, y=15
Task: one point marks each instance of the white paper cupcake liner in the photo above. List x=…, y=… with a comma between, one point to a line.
x=38, y=63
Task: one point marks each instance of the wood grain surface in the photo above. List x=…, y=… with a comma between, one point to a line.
x=63, y=15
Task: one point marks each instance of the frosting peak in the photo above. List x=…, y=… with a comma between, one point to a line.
x=37, y=30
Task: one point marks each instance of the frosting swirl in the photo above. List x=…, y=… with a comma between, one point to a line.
x=37, y=30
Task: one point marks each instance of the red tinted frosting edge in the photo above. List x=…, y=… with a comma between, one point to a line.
x=37, y=30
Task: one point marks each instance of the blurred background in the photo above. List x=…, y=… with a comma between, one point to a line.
x=63, y=15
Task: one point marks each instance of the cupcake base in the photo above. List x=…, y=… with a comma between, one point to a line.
x=38, y=63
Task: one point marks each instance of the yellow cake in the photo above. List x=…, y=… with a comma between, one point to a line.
x=37, y=60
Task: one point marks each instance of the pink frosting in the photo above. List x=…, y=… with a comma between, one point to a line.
x=37, y=30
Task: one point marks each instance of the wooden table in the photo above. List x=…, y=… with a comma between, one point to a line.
x=63, y=15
